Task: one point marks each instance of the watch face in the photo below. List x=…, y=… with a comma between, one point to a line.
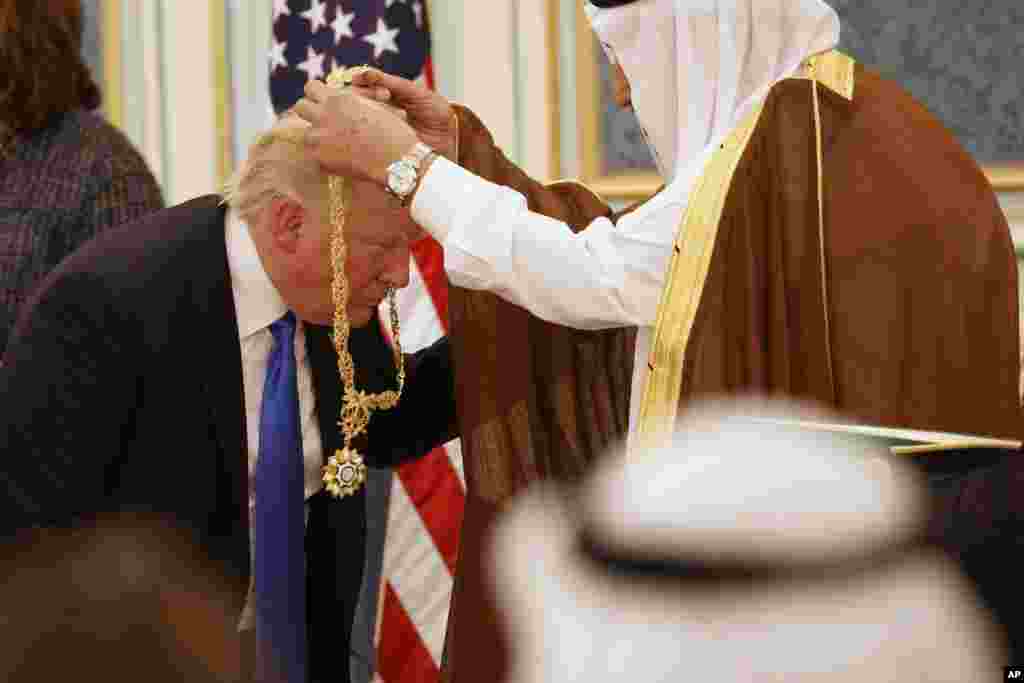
x=401, y=178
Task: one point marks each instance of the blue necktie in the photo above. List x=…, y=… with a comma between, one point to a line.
x=279, y=517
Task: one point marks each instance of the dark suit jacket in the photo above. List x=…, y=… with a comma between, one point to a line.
x=122, y=393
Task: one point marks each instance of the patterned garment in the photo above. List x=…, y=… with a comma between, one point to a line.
x=58, y=189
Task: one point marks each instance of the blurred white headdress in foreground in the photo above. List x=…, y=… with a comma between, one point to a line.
x=743, y=552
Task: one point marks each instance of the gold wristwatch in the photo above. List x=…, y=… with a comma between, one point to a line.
x=404, y=174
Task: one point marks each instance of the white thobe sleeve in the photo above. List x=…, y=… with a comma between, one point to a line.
x=604, y=276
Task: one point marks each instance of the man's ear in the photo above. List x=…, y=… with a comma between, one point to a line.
x=287, y=217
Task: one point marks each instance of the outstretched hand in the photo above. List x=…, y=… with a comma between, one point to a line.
x=351, y=135
x=430, y=114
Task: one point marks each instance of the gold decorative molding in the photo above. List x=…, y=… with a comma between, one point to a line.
x=588, y=101
x=640, y=185
x=1006, y=177
x=1013, y=206
x=220, y=61
x=629, y=186
x=554, y=87
x=113, y=82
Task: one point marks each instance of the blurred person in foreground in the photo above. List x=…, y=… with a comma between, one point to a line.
x=740, y=551
x=820, y=236
x=65, y=173
x=123, y=598
x=185, y=366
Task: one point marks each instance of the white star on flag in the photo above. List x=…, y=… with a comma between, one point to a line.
x=342, y=25
x=281, y=8
x=316, y=15
x=417, y=8
x=383, y=40
x=314, y=64
x=277, y=55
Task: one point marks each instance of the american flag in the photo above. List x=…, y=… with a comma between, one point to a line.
x=310, y=38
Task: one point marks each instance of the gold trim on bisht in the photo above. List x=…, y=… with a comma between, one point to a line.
x=694, y=247
x=680, y=298
x=833, y=69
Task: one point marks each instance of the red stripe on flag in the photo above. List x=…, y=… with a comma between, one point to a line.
x=428, y=72
x=435, y=490
x=430, y=261
x=433, y=486
x=401, y=654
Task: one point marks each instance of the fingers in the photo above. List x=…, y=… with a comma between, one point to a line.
x=377, y=94
x=307, y=110
x=369, y=77
x=399, y=88
x=317, y=91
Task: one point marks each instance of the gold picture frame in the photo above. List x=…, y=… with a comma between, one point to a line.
x=113, y=83
x=630, y=186
x=1005, y=177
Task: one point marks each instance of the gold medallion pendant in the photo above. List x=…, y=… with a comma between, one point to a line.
x=344, y=473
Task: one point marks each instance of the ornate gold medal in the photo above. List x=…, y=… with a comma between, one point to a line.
x=345, y=472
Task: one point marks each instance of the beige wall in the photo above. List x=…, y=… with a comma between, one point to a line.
x=1013, y=205
x=191, y=82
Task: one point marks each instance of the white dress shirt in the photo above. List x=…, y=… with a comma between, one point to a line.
x=257, y=305
x=605, y=276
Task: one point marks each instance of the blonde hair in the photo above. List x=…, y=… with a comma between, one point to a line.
x=277, y=166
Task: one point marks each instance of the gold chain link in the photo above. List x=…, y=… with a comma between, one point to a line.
x=345, y=472
x=356, y=405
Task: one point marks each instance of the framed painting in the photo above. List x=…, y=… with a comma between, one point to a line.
x=614, y=159
x=962, y=62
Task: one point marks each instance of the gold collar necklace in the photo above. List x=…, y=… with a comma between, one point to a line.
x=345, y=472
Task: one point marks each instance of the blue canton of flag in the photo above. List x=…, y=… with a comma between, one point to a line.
x=313, y=37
